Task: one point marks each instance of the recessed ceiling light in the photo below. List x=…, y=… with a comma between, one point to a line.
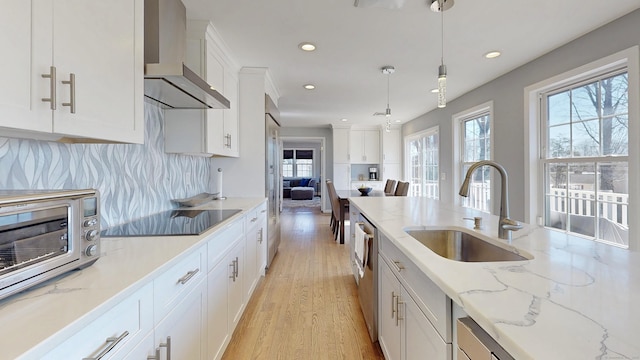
x=398, y=121
x=492, y=54
x=307, y=46
x=309, y=86
x=434, y=91
x=344, y=119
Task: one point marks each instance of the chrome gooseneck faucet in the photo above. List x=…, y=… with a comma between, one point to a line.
x=505, y=225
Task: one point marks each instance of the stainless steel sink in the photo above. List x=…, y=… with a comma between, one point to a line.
x=461, y=246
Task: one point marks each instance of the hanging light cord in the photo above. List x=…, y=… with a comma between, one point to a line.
x=441, y=3
x=388, y=75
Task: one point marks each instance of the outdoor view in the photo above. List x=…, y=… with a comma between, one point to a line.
x=586, y=165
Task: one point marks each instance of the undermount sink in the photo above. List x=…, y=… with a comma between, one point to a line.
x=461, y=246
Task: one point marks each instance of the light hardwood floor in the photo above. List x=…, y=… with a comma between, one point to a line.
x=307, y=306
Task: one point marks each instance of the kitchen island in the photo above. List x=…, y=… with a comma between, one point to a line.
x=38, y=320
x=576, y=299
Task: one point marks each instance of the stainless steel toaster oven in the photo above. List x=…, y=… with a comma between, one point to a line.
x=44, y=233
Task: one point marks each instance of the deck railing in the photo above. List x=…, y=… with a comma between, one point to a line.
x=612, y=206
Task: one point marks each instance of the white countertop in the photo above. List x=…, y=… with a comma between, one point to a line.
x=577, y=299
x=60, y=307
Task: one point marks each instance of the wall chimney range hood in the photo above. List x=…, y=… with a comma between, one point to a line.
x=167, y=81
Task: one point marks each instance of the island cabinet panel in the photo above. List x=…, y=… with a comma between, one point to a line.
x=84, y=58
x=412, y=324
x=113, y=334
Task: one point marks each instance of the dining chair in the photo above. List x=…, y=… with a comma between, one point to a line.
x=390, y=186
x=335, y=208
x=402, y=189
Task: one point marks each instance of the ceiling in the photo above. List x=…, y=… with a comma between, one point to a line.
x=353, y=43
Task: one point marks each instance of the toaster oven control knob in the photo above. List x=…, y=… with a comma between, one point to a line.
x=90, y=222
x=92, y=250
x=91, y=235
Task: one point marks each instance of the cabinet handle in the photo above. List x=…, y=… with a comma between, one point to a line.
x=233, y=270
x=183, y=280
x=72, y=92
x=260, y=236
x=52, y=87
x=236, y=268
x=168, y=346
x=156, y=357
x=263, y=211
x=254, y=219
x=114, y=341
x=398, y=265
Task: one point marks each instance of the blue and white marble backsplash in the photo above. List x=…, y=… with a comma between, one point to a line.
x=133, y=180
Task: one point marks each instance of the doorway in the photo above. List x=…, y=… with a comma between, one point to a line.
x=303, y=159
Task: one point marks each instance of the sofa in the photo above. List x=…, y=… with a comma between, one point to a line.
x=299, y=194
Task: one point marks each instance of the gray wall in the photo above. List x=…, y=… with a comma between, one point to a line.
x=507, y=94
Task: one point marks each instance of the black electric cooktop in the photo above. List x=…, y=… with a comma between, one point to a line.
x=171, y=223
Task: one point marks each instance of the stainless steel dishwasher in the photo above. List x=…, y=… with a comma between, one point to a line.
x=368, y=284
x=474, y=343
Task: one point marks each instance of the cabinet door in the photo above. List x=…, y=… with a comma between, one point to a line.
x=356, y=147
x=392, y=147
x=342, y=176
x=341, y=146
x=230, y=132
x=218, y=317
x=100, y=42
x=235, y=263
x=25, y=34
x=371, y=141
x=392, y=171
x=421, y=340
x=250, y=254
x=184, y=328
x=388, y=322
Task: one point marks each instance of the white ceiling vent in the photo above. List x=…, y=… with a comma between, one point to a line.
x=387, y=4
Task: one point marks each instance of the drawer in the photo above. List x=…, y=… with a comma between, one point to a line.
x=170, y=287
x=251, y=218
x=262, y=210
x=430, y=299
x=476, y=343
x=122, y=327
x=221, y=241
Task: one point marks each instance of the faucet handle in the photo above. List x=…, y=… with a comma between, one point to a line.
x=477, y=222
x=509, y=224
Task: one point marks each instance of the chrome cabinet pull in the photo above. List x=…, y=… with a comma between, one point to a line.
x=183, y=280
x=156, y=357
x=236, y=268
x=168, y=346
x=393, y=304
x=233, y=270
x=52, y=87
x=72, y=92
x=399, y=265
x=113, y=342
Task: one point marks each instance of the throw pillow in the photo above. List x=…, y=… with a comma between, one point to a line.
x=304, y=182
x=286, y=183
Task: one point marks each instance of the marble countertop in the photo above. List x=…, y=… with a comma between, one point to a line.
x=577, y=299
x=38, y=319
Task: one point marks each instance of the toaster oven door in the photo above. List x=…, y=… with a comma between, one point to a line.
x=34, y=241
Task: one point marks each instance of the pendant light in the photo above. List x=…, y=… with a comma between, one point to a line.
x=387, y=70
x=441, y=6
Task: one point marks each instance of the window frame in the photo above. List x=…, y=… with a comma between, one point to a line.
x=435, y=130
x=534, y=133
x=295, y=159
x=458, y=147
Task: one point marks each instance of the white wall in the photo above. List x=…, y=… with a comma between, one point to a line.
x=507, y=93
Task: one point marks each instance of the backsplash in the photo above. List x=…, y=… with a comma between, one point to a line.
x=133, y=180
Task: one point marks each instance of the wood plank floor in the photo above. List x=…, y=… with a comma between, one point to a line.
x=307, y=306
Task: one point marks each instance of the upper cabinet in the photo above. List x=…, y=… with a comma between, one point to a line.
x=392, y=147
x=364, y=146
x=73, y=71
x=212, y=131
x=341, y=145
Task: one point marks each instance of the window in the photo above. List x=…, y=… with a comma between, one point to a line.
x=585, y=151
x=473, y=129
x=297, y=163
x=423, y=164
x=582, y=164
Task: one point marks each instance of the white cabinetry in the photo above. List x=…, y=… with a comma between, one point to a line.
x=114, y=333
x=392, y=155
x=213, y=131
x=341, y=145
x=85, y=58
x=364, y=146
x=414, y=314
x=342, y=176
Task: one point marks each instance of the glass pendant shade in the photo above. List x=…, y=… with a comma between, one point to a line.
x=442, y=86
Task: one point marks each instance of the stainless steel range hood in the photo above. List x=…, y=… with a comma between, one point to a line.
x=167, y=80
